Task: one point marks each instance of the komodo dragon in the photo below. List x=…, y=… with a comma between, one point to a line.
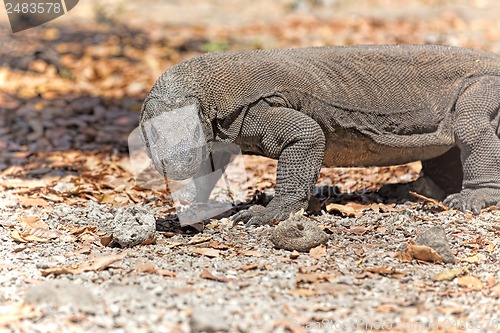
x=337, y=107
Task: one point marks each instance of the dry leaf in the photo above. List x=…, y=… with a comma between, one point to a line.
x=22, y=183
x=30, y=202
x=166, y=273
x=450, y=310
x=449, y=275
x=388, y=308
x=312, y=277
x=318, y=251
x=106, y=240
x=492, y=281
x=18, y=237
x=199, y=239
x=251, y=253
x=472, y=259
x=205, y=251
x=145, y=266
x=358, y=230
x=495, y=291
x=248, y=267
x=98, y=264
x=34, y=230
x=59, y=271
x=149, y=241
x=218, y=245
x=84, y=250
x=205, y=274
x=385, y=271
x=302, y=292
x=32, y=222
x=102, y=262
x=471, y=282
x=404, y=256
x=351, y=209
x=13, y=312
x=424, y=253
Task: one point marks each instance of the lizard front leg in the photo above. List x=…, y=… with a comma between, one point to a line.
x=476, y=129
x=298, y=143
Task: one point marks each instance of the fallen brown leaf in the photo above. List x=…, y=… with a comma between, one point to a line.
x=14, y=312
x=424, y=253
x=106, y=240
x=385, y=271
x=358, y=230
x=218, y=245
x=247, y=267
x=18, y=237
x=205, y=274
x=471, y=282
x=404, y=256
x=388, y=308
x=199, y=239
x=145, y=266
x=318, y=251
x=206, y=251
x=98, y=264
x=102, y=262
x=22, y=183
x=30, y=202
x=166, y=273
x=302, y=292
x=450, y=310
x=149, y=241
x=312, y=277
x=472, y=259
x=449, y=275
x=350, y=209
x=251, y=253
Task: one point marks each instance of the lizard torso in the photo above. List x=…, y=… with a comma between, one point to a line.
x=377, y=105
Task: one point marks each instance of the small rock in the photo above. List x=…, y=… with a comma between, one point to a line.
x=294, y=255
x=132, y=226
x=298, y=233
x=435, y=238
x=208, y=321
x=63, y=295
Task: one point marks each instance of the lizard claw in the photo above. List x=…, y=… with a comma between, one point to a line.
x=255, y=215
x=473, y=200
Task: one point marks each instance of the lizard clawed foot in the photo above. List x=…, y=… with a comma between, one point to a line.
x=255, y=215
x=473, y=199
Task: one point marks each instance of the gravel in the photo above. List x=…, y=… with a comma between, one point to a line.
x=251, y=286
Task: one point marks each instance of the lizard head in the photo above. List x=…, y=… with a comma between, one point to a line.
x=174, y=137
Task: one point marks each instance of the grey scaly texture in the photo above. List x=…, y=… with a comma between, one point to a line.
x=348, y=106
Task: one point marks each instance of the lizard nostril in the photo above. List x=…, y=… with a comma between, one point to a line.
x=164, y=162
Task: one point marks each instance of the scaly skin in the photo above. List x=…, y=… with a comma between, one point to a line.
x=346, y=106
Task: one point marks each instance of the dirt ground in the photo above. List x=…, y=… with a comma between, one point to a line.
x=70, y=92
